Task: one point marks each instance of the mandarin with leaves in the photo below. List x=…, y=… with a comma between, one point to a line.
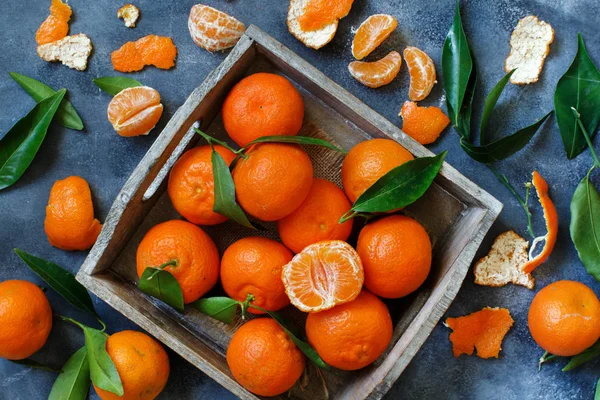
x=262, y=104
x=25, y=319
x=252, y=266
x=70, y=223
x=352, y=335
x=191, y=184
x=142, y=364
x=263, y=359
x=368, y=161
x=184, y=244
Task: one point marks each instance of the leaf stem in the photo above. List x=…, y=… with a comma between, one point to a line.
x=545, y=358
x=103, y=325
x=524, y=203
x=211, y=140
x=170, y=263
x=586, y=136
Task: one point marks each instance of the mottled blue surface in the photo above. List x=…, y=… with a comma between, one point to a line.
x=106, y=160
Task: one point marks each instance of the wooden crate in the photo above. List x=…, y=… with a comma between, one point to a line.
x=456, y=213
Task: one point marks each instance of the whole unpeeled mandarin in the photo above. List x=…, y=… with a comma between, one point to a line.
x=273, y=180
x=368, y=161
x=191, y=185
x=262, y=104
x=142, y=364
x=25, y=319
x=194, y=253
x=352, y=335
x=564, y=318
x=263, y=359
x=253, y=265
x=396, y=256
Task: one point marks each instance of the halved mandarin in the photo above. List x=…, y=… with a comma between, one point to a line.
x=377, y=73
x=135, y=111
x=212, y=29
x=323, y=275
x=318, y=13
x=422, y=73
x=371, y=34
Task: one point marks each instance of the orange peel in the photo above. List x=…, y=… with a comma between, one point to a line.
x=319, y=13
x=483, y=330
x=56, y=25
x=424, y=124
x=551, y=217
x=159, y=51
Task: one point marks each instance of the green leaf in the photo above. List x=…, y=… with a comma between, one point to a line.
x=102, y=369
x=115, y=84
x=163, y=286
x=585, y=225
x=583, y=357
x=458, y=74
x=579, y=87
x=61, y=280
x=66, y=115
x=20, y=145
x=490, y=103
x=225, y=203
x=296, y=140
x=398, y=188
x=74, y=382
x=505, y=147
x=597, y=393
x=220, y=308
x=463, y=126
x=27, y=362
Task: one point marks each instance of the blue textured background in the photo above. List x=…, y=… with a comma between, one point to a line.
x=106, y=160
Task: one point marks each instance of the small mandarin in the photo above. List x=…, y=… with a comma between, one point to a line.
x=25, y=319
x=142, y=364
x=368, y=161
x=396, y=256
x=191, y=185
x=263, y=359
x=195, y=254
x=352, y=335
x=253, y=265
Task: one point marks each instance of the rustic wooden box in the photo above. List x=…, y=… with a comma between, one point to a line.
x=456, y=213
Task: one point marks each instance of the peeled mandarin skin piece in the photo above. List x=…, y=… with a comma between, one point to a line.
x=319, y=13
x=371, y=34
x=70, y=222
x=191, y=185
x=262, y=104
x=56, y=25
x=424, y=124
x=352, y=335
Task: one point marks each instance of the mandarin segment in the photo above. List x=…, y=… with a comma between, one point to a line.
x=135, y=111
x=483, y=330
x=56, y=25
x=212, y=29
x=424, y=124
x=263, y=359
x=25, y=319
x=352, y=335
x=159, y=51
x=422, y=73
x=70, y=222
x=371, y=34
x=323, y=275
x=191, y=184
x=319, y=13
x=377, y=73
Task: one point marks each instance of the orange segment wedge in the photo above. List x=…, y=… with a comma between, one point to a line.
x=422, y=73
x=56, y=25
x=135, y=111
x=372, y=33
x=551, y=217
x=318, y=13
x=424, y=124
x=212, y=29
x=377, y=73
x=323, y=275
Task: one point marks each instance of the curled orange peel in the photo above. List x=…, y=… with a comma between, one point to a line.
x=551, y=217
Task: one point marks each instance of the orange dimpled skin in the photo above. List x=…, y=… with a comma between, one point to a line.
x=195, y=253
x=253, y=265
x=318, y=13
x=424, y=124
x=192, y=187
x=159, y=51
x=352, y=335
x=368, y=161
x=135, y=111
x=25, y=319
x=263, y=359
x=564, y=318
x=273, y=180
x=142, y=364
x=317, y=217
x=396, y=256
x=70, y=222
x=56, y=26
x=262, y=104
